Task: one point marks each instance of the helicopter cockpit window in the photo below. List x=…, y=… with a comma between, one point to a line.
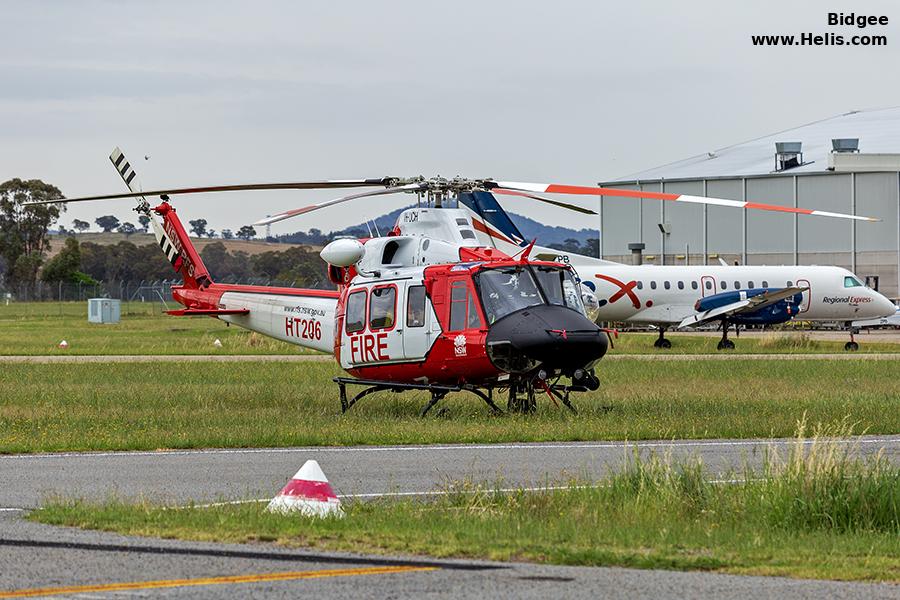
x=356, y=311
x=415, y=306
x=382, y=308
x=507, y=289
x=463, y=312
x=560, y=287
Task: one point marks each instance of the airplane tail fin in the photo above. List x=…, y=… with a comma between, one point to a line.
x=170, y=234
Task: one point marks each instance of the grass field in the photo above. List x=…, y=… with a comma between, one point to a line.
x=36, y=328
x=102, y=406
x=818, y=513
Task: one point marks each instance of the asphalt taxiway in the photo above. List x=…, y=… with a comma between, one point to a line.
x=63, y=562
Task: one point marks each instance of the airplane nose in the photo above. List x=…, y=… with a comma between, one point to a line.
x=548, y=336
x=885, y=307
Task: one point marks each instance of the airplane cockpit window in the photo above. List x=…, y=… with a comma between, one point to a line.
x=851, y=281
x=507, y=289
x=382, y=308
x=356, y=311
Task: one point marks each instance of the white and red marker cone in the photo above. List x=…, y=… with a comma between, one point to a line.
x=309, y=493
x=64, y=344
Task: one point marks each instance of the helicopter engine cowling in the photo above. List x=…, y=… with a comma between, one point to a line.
x=343, y=252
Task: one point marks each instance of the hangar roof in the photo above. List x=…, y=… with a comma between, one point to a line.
x=878, y=132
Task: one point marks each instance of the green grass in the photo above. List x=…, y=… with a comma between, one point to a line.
x=817, y=513
x=36, y=328
x=97, y=406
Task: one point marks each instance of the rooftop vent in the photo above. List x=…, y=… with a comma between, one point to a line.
x=788, y=155
x=845, y=145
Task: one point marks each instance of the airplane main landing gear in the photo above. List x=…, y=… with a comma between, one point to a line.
x=725, y=343
x=661, y=342
x=852, y=346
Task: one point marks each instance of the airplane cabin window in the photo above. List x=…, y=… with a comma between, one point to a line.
x=693, y=285
x=666, y=285
x=708, y=285
x=415, y=306
x=356, y=311
x=750, y=284
x=640, y=285
x=382, y=308
x=680, y=285
x=765, y=284
x=850, y=281
x=737, y=285
x=790, y=284
x=724, y=285
x=652, y=285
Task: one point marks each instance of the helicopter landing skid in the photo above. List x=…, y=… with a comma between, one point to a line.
x=437, y=392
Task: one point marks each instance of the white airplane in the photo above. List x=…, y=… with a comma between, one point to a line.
x=676, y=297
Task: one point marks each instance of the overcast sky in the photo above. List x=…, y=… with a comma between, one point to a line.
x=572, y=92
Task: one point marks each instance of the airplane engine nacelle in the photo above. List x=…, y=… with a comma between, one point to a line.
x=779, y=312
x=343, y=253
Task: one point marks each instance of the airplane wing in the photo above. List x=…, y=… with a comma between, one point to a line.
x=745, y=306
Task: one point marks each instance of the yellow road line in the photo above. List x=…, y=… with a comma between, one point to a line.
x=171, y=583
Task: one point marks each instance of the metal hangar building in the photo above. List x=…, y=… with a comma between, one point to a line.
x=849, y=163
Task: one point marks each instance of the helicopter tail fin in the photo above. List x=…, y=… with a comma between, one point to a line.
x=170, y=234
x=178, y=248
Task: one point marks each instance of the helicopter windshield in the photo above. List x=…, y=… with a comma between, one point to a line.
x=560, y=287
x=507, y=289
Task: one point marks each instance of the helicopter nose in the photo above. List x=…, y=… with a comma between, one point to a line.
x=548, y=336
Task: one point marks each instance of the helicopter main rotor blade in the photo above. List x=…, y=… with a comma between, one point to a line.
x=574, y=207
x=297, y=185
x=506, y=187
x=412, y=187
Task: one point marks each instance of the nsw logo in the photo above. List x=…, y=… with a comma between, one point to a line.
x=459, y=345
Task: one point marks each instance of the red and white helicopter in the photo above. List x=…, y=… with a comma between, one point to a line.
x=425, y=307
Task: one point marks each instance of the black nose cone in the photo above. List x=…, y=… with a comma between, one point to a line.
x=553, y=337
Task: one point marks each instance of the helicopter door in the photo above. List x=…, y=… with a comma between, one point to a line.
x=417, y=321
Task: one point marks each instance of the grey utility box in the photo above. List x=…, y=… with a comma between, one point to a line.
x=104, y=310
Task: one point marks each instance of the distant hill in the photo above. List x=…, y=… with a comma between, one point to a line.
x=251, y=247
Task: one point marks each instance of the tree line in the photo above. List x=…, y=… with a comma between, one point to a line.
x=25, y=242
